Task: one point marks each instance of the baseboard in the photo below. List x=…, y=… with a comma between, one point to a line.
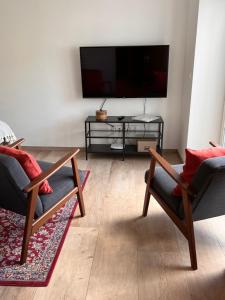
x=82, y=149
x=175, y=151
x=170, y=151
x=50, y=148
x=181, y=159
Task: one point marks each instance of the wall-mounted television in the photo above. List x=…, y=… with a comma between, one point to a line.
x=124, y=71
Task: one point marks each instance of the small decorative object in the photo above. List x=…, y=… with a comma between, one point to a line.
x=101, y=115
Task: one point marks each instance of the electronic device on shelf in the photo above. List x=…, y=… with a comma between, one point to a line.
x=116, y=146
x=145, y=118
x=124, y=71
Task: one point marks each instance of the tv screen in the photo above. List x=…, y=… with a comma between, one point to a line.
x=124, y=71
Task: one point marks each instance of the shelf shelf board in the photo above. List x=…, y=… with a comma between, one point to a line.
x=144, y=137
x=104, y=137
x=131, y=134
x=132, y=149
x=105, y=148
x=102, y=148
x=126, y=119
x=126, y=137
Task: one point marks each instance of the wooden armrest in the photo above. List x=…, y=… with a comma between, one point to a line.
x=168, y=168
x=213, y=144
x=54, y=168
x=16, y=143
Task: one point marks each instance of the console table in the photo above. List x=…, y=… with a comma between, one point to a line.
x=124, y=130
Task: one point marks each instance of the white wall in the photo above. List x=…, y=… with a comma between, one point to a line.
x=208, y=90
x=192, y=22
x=40, y=86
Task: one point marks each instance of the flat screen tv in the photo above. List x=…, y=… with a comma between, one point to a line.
x=124, y=71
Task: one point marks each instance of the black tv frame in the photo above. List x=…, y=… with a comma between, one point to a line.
x=125, y=97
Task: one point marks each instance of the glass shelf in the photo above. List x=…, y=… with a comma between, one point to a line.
x=118, y=134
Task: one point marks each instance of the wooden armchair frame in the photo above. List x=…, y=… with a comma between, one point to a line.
x=31, y=225
x=186, y=226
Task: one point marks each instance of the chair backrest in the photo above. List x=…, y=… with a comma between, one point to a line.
x=209, y=183
x=13, y=179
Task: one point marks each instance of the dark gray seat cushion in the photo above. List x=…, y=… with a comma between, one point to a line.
x=61, y=182
x=13, y=180
x=208, y=184
x=163, y=185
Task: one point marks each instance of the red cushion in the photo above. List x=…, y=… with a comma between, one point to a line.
x=194, y=158
x=30, y=166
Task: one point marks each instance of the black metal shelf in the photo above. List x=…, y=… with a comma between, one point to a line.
x=99, y=134
x=102, y=148
x=123, y=134
x=106, y=148
x=136, y=137
x=126, y=119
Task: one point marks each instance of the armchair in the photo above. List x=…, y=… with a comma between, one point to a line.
x=202, y=199
x=20, y=195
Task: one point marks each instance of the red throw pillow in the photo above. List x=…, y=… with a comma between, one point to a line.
x=194, y=158
x=30, y=166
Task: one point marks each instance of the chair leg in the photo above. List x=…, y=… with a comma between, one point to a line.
x=147, y=192
x=32, y=199
x=26, y=238
x=192, y=251
x=77, y=182
x=190, y=229
x=146, y=202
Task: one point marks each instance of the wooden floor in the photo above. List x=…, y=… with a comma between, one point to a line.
x=113, y=253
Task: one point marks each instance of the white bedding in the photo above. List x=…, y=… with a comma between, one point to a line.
x=6, y=133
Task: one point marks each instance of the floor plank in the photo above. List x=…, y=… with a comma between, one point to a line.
x=114, y=273
x=71, y=275
x=113, y=253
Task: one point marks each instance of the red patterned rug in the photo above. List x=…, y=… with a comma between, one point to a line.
x=44, y=246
